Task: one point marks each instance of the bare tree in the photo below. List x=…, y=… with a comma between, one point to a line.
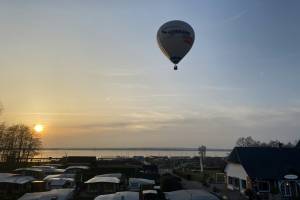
x=2, y=136
x=18, y=144
x=1, y=108
x=250, y=142
x=247, y=142
x=274, y=143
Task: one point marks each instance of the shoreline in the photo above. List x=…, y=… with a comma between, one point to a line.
x=131, y=149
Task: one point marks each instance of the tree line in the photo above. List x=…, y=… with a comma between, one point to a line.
x=250, y=142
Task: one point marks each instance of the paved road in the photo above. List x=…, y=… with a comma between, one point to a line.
x=232, y=195
x=191, y=184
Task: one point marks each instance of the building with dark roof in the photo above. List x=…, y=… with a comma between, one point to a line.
x=264, y=170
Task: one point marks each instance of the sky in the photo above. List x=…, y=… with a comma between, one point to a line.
x=91, y=72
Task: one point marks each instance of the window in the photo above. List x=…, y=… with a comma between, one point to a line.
x=244, y=185
x=236, y=182
x=263, y=186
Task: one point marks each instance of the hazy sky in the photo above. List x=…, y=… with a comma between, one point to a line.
x=92, y=72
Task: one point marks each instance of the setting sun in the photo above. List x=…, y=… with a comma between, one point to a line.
x=38, y=128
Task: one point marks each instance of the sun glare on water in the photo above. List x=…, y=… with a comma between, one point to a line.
x=39, y=128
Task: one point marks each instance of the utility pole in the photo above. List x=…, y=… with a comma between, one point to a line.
x=202, y=153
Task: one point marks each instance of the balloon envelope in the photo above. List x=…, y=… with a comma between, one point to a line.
x=175, y=39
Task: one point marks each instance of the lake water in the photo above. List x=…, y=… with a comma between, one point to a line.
x=126, y=153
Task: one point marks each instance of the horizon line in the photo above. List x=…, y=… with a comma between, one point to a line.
x=135, y=148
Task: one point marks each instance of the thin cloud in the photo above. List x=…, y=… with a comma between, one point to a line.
x=124, y=125
x=218, y=88
x=191, y=94
x=236, y=16
x=221, y=115
x=251, y=116
x=121, y=74
x=51, y=113
x=145, y=120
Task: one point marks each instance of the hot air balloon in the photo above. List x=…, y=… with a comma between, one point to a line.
x=175, y=39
